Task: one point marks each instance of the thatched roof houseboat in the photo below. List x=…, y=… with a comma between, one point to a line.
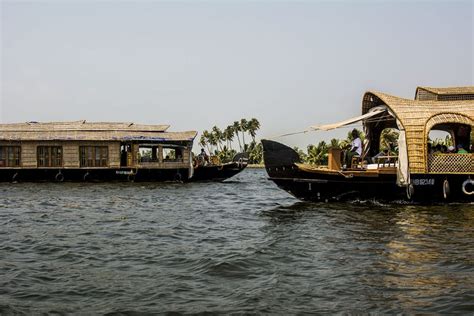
x=414, y=172
x=94, y=151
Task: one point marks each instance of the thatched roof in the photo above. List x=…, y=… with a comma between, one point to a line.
x=82, y=126
x=418, y=117
x=90, y=131
x=448, y=91
x=444, y=94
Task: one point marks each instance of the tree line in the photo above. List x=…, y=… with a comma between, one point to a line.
x=219, y=142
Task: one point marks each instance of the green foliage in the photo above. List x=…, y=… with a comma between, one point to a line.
x=219, y=142
x=255, y=153
x=318, y=154
x=389, y=139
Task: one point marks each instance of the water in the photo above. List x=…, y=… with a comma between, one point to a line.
x=243, y=246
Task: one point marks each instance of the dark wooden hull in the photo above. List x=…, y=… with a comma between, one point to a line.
x=99, y=175
x=207, y=173
x=217, y=173
x=357, y=185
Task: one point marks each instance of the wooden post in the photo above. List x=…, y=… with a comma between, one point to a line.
x=334, y=159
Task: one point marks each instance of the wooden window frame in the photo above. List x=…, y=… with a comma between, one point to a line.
x=49, y=156
x=94, y=156
x=176, y=151
x=10, y=156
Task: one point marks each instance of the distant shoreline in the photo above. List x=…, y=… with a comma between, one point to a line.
x=256, y=166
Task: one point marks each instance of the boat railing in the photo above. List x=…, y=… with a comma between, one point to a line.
x=386, y=161
x=451, y=163
x=380, y=162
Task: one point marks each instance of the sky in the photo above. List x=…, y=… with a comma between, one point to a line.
x=196, y=64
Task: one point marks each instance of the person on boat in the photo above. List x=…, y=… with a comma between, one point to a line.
x=203, y=158
x=384, y=153
x=437, y=149
x=461, y=150
x=356, y=147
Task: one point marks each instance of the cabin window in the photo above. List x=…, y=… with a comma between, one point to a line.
x=172, y=154
x=439, y=142
x=50, y=156
x=449, y=148
x=148, y=154
x=94, y=156
x=10, y=156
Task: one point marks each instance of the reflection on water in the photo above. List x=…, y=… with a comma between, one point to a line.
x=239, y=246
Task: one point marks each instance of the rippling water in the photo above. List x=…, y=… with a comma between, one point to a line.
x=240, y=246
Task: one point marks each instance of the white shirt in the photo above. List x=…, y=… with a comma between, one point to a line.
x=357, y=143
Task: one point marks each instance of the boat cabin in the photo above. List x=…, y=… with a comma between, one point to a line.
x=93, y=150
x=450, y=110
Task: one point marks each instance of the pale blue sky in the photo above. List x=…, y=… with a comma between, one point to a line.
x=195, y=64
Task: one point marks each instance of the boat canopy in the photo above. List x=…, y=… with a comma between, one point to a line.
x=373, y=112
x=415, y=119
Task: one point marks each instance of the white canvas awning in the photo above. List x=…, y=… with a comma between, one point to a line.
x=373, y=112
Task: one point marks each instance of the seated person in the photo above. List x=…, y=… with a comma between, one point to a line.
x=383, y=153
x=356, y=148
x=461, y=150
x=437, y=149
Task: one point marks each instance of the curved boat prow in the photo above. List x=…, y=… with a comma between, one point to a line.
x=276, y=154
x=241, y=158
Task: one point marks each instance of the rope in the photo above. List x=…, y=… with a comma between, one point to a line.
x=295, y=133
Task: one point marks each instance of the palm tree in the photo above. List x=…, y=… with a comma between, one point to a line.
x=212, y=142
x=236, y=129
x=301, y=153
x=335, y=143
x=217, y=137
x=204, y=141
x=388, y=139
x=252, y=127
x=243, y=129
x=318, y=154
x=229, y=136
x=256, y=153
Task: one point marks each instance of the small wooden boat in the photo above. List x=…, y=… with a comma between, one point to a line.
x=414, y=174
x=216, y=171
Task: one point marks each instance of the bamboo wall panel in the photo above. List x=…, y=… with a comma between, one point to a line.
x=28, y=155
x=71, y=155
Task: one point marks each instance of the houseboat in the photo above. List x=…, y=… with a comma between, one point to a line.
x=94, y=151
x=415, y=173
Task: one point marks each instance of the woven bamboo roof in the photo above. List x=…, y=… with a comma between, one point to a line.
x=90, y=131
x=418, y=117
x=82, y=126
x=448, y=90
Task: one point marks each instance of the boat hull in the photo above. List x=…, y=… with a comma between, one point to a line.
x=92, y=175
x=282, y=166
x=218, y=172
